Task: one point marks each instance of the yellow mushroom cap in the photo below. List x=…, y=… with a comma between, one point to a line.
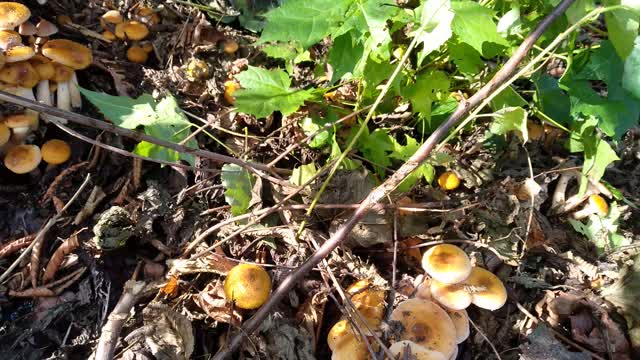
x=599, y=203
x=109, y=35
x=43, y=66
x=535, y=131
x=5, y=134
x=248, y=285
x=12, y=14
x=398, y=349
x=426, y=324
x=146, y=46
x=451, y=296
x=55, y=151
x=446, y=263
x=61, y=72
x=19, y=53
x=337, y=333
x=460, y=320
x=112, y=17
x=230, y=87
x=27, y=119
x=69, y=53
x=230, y=47
x=21, y=74
x=350, y=347
x=137, y=54
x=9, y=38
x=448, y=180
x=22, y=159
x=369, y=301
x=487, y=290
x=132, y=30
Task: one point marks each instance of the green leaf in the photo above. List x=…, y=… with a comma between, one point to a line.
x=550, y=98
x=510, y=22
x=404, y=152
x=510, y=119
x=578, y=10
x=631, y=76
x=164, y=120
x=507, y=98
x=598, y=154
x=347, y=164
x=428, y=88
x=602, y=231
x=474, y=25
x=466, y=58
x=303, y=173
x=265, y=91
x=312, y=124
x=436, y=16
x=376, y=147
x=344, y=55
x=306, y=22
x=237, y=183
x=292, y=53
x=425, y=170
x=622, y=26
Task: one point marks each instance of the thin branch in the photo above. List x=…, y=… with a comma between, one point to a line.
x=392, y=182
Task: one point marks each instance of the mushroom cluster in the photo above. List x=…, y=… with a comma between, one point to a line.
x=136, y=29
x=343, y=339
x=30, y=59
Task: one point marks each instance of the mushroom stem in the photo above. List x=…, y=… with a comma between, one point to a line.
x=63, y=100
x=76, y=98
x=561, y=188
x=19, y=134
x=28, y=94
x=43, y=93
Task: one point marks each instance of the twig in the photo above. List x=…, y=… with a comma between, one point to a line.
x=44, y=230
x=135, y=135
x=392, y=182
x=495, y=351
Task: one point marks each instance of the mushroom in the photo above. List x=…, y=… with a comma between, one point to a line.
x=596, y=205
x=46, y=71
x=9, y=38
x=344, y=344
x=22, y=159
x=448, y=180
x=230, y=87
x=417, y=352
x=131, y=30
x=487, y=290
x=55, y=152
x=109, y=35
x=45, y=28
x=446, y=263
x=230, y=47
x=369, y=302
x=454, y=356
x=535, y=131
x=248, y=286
x=19, y=53
x=423, y=290
x=460, y=320
x=12, y=15
x=73, y=55
x=27, y=29
x=147, y=15
x=136, y=54
x=112, y=17
x=451, y=296
x=5, y=135
x=426, y=324
x=21, y=125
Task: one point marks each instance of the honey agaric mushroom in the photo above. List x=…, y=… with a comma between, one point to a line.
x=448, y=180
x=248, y=286
x=147, y=15
x=344, y=344
x=21, y=124
x=12, y=14
x=369, y=302
x=73, y=55
x=446, y=263
x=451, y=296
x=109, y=35
x=460, y=320
x=136, y=54
x=27, y=29
x=230, y=47
x=22, y=159
x=230, y=87
x=423, y=291
x=535, y=131
x=5, y=134
x=9, y=39
x=487, y=290
x=45, y=28
x=111, y=17
x=46, y=71
x=55, y=152
x=19, y=53
x=131, y=30
x=21, y=74
x=426, y=324
x=596, y=205
x=398, y=349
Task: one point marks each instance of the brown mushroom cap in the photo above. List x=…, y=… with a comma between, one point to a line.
x=2, y=60
x=27, y=29
x=62, y=73
x=21, y=74
x=132, y=30
x=22, y=159
x=43, y=66
x=451, y=296
x=350, y=347
x=5, y=134
x=487, y=290
x=46, y=28
x=55, y=151
x=399, y=348
x=426, y=324
x=27, y=119
x=19, y=53
x=136, y=54
x=446, y=263
x=12, y=14
x=111, y=17
x=460, y=320
x=369, y=301
x=69, y=53
x=109, y=35
x=9, y=38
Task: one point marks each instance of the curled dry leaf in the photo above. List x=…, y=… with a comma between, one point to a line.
x=214, y=303
x=33, y=292
x=58, y=256
x=16, y=245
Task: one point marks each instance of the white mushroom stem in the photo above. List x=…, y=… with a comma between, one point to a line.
x=64, y=96
x=561, y=188
x=19, y=134
x=28, y=93
x=76, y=98
x=43, y=92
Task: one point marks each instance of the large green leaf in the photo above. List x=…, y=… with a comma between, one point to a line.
x=265, y=91
x=306, y=22
x=436, y=17
x=344, y=55
x=631, y=77
x=510, y=119
x=474, y=25
x=427, y=89
x=163, y=120
x=237, y=183
x=622, y=25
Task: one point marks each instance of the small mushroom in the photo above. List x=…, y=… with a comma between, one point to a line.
x=596, y=205
x=248, y=286
x=13, y=14
x=109, y=35
x=45, y=28
x=46, y=71
x=446, y=263
x=19, y=53
x=405, y=347
x=451, y=296
x=230, y=87
x=9, y=39
x=73, y=55
x=230, y=47
x=423, y=290
x=487, y=290
x=27, y=29
x=21, y=125
x=136, y=54
x=369, y=302
x=344, y=344
x=5, y=135
x=147, y=15
x=448, y=180
x=131, y=30
x=113, y=17
x=22, y=159
x=55, y=152
x=460, y=320
x=426, y=324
